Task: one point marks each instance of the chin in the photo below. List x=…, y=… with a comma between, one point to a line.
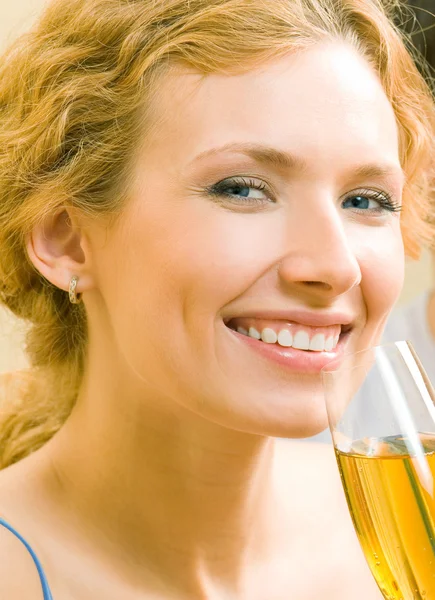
x=300, y=424
x=295, y=412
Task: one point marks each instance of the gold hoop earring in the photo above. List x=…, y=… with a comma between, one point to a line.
x=74, y=298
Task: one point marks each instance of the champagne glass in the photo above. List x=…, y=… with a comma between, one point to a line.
x=381, y=414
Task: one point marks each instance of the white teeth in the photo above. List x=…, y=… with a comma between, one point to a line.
x=285, y=338
x=329, y=344
x=317, y=343
x=269, y=336
x=253, y=333
x=301, y=341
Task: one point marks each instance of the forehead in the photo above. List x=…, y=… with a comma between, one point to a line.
x=323, y=103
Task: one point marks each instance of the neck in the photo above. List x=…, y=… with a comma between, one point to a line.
x=183, y=495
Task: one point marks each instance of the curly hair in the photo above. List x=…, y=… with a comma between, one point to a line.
x=75, y=98
x=418, y=21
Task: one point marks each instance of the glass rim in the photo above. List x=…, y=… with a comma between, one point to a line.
x=341, y=359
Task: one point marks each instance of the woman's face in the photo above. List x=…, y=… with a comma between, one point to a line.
x=265, y=205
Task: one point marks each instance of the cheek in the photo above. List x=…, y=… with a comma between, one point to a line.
x=179, y=268
x=199, y=260
x=232, y=254
x=382, y=264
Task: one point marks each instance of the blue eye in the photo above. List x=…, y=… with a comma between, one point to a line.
x=357, y=202
x=371, y=201
x=242, y=191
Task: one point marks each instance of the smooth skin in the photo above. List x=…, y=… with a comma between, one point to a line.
x=164, y=483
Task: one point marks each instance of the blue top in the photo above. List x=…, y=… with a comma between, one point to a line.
x=42, y=577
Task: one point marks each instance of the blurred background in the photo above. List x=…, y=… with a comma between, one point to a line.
x=17, y=16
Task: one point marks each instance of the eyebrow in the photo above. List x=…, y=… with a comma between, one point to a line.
x=284, y=160
x=259, y=153
x=379, y=171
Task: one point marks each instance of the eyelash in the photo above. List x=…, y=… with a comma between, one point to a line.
x=218, y=190
x=384, y=199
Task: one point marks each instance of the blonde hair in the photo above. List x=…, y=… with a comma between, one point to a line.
x=72, y=93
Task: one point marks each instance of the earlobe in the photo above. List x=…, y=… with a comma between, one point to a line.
x=57, y=250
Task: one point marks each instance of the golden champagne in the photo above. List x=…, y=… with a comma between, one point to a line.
x=391, y=496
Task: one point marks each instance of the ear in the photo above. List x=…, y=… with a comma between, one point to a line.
x=58, y=248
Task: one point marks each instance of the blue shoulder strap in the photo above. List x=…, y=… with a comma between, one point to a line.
x=42, y=577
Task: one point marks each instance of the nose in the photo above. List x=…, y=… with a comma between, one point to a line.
x=320, y=258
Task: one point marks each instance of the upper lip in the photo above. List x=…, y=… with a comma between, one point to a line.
x=302, y=317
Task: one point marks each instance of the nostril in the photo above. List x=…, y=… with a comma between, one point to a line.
x=318, y=284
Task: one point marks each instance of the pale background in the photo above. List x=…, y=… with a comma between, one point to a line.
x=15, y=17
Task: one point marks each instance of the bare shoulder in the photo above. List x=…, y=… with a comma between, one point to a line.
x=18, y=574
x=311, y=479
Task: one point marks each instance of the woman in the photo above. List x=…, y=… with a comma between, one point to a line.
x=200, y=208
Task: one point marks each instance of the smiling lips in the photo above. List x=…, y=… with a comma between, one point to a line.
x=289, y=335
